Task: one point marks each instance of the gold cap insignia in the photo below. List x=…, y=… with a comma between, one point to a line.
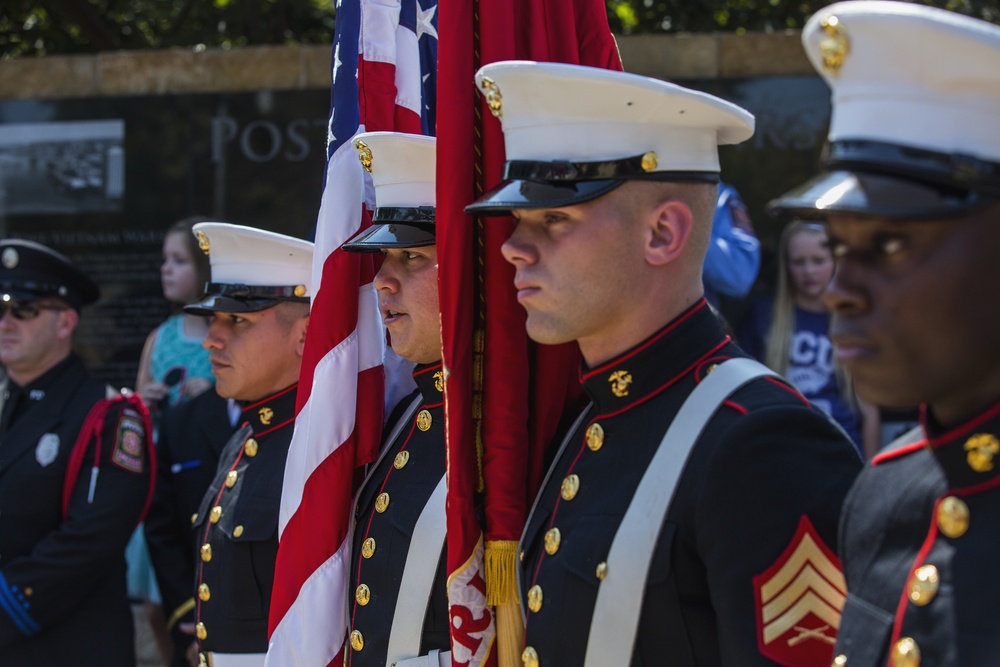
x=266, y=414
x=835, y=46
x=10, y=258
x=439, y=380
x=620, y=380
x=494, y=100
x=649, y=161
x=202, y=241
x=981, y=449
x=365, y=155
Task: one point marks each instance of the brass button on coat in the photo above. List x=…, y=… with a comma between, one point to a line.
x=362, y=594
x=529, y=658
x=424, y=420
x=570, y=487
x=382, y=502
x=924, y=585
x=839, y=661
x=953, y=517
x=250, y=447
x=200, y=631
x=357, y=640
x=231, y=477
x=194, y=518
x=535, y=598
x=401, y=460
x=204, y=593
x=238, y=531
x=215, y=514
x=906, y=653
x=595, y=437
x=368, y=547
x=602, y=570
x=552, y=540
x=206, y=552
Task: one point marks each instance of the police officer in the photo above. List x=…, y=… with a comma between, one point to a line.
x=192, y=435
x=74, y=475
x=399, y=614
x=259, y=308
x=911, y=194
x=690, y=516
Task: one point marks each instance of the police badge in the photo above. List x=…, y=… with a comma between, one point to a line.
x=47, y=449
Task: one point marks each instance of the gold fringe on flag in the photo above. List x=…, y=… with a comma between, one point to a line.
x=501, y=572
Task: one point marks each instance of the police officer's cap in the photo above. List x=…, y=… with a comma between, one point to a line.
x=403, y=172
x=916, y=98
x=31, y=271
x=252, y=269
x=574, y=133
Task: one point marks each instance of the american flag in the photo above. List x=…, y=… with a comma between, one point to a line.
x=383, y=66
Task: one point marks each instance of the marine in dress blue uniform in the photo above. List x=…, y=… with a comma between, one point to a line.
x=612, y=178
x=911, y=196
x=192, y=436
x=399, y=610
x=258, y=302
x=74, y=476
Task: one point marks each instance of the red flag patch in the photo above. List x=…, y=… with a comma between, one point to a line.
x=799, y=599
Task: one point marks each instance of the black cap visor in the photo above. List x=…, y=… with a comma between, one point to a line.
x=876, y=195
x=218, y=303
x=518, y=193
x=392, y=235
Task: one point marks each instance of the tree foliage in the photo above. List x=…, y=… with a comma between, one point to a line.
x=45, y=27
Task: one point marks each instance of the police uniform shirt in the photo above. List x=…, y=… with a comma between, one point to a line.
x=760, y=495
x=919, y=545
x=62, y=577
x=237, y=529
x=389, y=504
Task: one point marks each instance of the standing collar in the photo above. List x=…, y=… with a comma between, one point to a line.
x=968, y=454
x=271, y=412
x=643, y=371
x=430, y=382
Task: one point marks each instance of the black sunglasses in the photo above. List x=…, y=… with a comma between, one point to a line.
x=25, y=310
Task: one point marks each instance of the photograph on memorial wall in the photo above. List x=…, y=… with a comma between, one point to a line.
x=62, y=167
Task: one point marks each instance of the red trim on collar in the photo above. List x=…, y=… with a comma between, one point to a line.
x=273, y=428
x=978, y=488
x=899, y=451
x=663, y=332
x=271, y=397
x=435, y=367
x=958, y=431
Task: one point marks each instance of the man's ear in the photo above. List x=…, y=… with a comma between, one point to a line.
x=300, y=330
x=68, y=319
x=669, y=228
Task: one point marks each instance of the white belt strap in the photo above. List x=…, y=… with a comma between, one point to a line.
x=615, y=621
x=433, y=659
x=418, y=577
x=235, y=659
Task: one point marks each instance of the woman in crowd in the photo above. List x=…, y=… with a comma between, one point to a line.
x=790, y=332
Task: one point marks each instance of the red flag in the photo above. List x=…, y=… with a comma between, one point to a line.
x=504, y=396
x=377, y=85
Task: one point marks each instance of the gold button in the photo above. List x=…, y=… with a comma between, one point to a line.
x=905, y=653
x=215, y=514
x=206, y=552
x=368, y=547
x=529, y=658
x=602, y=570
x=231, y=477
x=424, y=420
x=357, y=640
x=202, y=660
x=363, y=594
x=535, y=598
x=552, y=540
x=953, y=517
x=200, y=630
x=382, y=502
x=520, y=556
x=839, y=661
x=570, y=486
x=924, y=585
x=401, y=460
x=204, y=593
x=708, y=371
x=595, y=437
x=238, y=531
x=250, y=447
x=194, y=518
x=981, y=448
